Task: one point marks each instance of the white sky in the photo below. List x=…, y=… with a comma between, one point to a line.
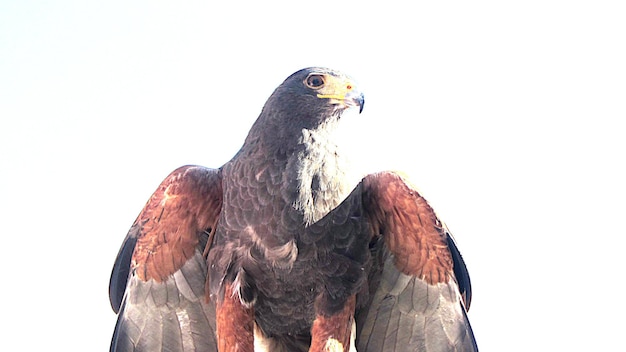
x=510, y=119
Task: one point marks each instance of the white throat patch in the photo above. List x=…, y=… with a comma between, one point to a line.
x=323, y=180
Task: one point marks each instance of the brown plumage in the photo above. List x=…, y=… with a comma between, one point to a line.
x=277, y=249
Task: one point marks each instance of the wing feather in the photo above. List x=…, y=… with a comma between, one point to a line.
x=418, y=302
x=121, y=270
x=158, y=280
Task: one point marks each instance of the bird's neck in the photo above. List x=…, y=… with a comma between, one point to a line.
x=315, y=176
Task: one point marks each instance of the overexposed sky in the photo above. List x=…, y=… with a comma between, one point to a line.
x=509, y=118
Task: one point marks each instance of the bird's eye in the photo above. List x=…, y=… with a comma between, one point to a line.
x=315, y=81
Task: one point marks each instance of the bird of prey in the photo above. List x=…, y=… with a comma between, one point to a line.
x=277, y=251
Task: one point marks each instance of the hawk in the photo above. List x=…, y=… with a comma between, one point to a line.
x=277, y=250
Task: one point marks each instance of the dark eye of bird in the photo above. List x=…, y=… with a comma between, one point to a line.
x=315, y=81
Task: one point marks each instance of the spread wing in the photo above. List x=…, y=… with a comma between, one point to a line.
x=157, y=285
x=419, y=285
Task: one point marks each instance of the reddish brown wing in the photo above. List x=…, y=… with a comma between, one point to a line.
x=158, y=281
x=419, y=285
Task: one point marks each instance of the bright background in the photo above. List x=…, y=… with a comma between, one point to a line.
x=509, y=117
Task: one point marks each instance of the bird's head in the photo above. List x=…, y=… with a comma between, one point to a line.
x=314, y=95
x=310, y=99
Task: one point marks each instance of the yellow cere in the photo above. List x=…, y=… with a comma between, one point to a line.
x=340, y=93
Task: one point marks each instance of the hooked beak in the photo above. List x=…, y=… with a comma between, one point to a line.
x=355, y=98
